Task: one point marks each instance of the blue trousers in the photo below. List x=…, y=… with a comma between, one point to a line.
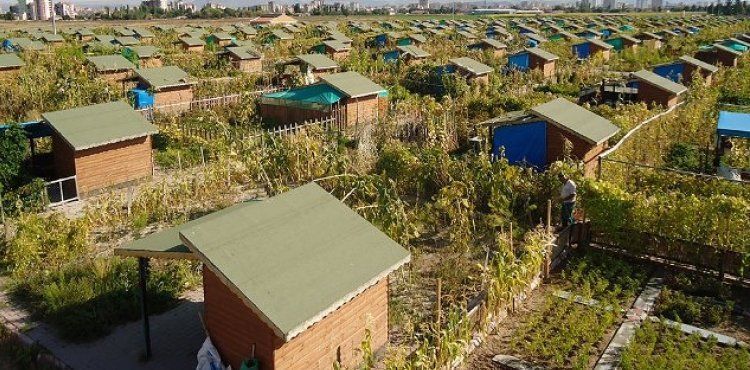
x=566, y=216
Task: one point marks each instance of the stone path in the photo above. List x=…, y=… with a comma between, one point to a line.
x=176, y=336
x=635, y=315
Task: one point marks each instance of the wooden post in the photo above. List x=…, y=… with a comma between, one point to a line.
x=2, y=215
x=599, y=167
x=510, y=235
x=549, y=215
x=203, y=157
x=439, y=313
x=143, y=275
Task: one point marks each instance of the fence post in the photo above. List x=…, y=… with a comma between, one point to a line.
x=599, y=160
x=2, y=215
x=549, y=215
x=439, y=313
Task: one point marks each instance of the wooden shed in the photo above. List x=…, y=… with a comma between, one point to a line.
x=113, y=68
x=409, y=54
x=496, y=47
x=300, y=278
x=539, y=137
x=84, y=35
x=171, y=87
x=335, y=49
x=103, y=145
x=143, y=34
x=348, y=98
x=220, y=39
x=472, y=70
x=313, y=65
x=144, y=56
x=192, y=44
x=533, y=59
x=622, y=42
x=683, y=70
x=10, y=65
x=650, y=40
x=719, y=55
x=245, y=58
x=592, y=48
x=657, y=90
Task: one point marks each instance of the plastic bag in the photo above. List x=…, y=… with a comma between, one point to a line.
x=208, y=357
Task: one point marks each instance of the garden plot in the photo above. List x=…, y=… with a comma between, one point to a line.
x=656, y=346
x=571, y=329
x=707, y=304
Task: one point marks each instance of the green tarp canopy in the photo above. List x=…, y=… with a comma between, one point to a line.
x=315, y=94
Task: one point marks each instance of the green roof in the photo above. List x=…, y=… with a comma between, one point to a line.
x=295, y=258
x=247, y=30
x=414, y=51
x=699, y=63
x=104, y=38
x=126, y=40
x=577, y=120
x=660, y=82
x=221, y=36
x=418, y=37
x=192, y=41
x=162, y=77
x=144, y=51
x=96, y=125
x=51, y=37
x=107, y=63
x=494, y=43
x=317, y=61
x=471, y=65
x=352, y=84
x=166, y=243
x=142, y=32
x=338, y=36
x=541, y=53
x=11, y=60
x=336, y=45
x=244, y=52
x=281, y=35
x=726, y=49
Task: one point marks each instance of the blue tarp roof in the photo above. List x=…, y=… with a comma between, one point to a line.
x=319, y=94
x=734, y=124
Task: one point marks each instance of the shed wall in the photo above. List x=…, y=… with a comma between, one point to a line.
x=338, y=336
x=234, y=328
x=113, y=164
x=362, y=110
x=652, y=95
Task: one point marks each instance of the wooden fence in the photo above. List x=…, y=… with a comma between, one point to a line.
x=671, y=251
x=205, y=103
x=239, y=134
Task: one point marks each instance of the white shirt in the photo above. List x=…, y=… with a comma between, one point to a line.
x=568, y=189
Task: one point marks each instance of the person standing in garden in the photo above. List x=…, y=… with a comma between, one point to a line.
x=568, y=198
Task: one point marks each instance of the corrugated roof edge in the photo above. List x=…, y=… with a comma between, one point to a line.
x=305, y=325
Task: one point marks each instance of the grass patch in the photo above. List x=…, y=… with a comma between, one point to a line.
x=87, y=300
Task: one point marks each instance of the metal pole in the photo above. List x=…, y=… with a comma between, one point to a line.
x=143, y=275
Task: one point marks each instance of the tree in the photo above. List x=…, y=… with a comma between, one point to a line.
x=14, y=148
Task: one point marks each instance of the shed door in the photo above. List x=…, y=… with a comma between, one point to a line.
x=524, y=144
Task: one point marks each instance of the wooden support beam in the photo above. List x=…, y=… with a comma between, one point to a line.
x=143, y=275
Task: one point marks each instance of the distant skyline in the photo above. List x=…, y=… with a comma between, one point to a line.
x=243, y=3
